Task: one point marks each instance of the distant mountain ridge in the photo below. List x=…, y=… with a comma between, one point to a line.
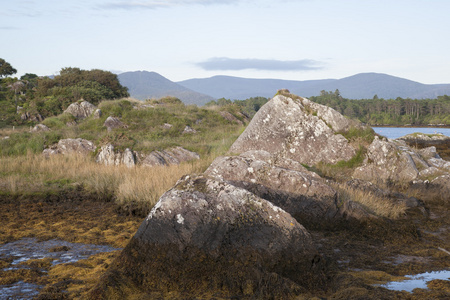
x=144, y=85
x=359, y=86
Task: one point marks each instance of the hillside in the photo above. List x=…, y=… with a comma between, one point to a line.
x=146, y=85
x=359, y=86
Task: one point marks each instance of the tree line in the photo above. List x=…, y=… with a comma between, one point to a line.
x=33, y=97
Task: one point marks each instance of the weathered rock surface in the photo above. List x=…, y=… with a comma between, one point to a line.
x=228, y=116
x=97, y=113
x=40, y=127
x=188, y=129
x=69, y=146
x=392, y=160
x=439, y=141
x=81, y=110
x=113, y=123
x=172, y=156
x=298, y=129
x=206, y=236
x=290, y=186
x=109, y=157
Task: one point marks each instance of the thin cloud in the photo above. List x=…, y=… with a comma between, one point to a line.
x=233, y=64
x=9, y=28
x=154, y=4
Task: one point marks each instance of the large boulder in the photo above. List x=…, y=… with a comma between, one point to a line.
x=80, y=110
x=109, y=157
x=299, y=129
x=287, y=184
x=207, y=237
x=70, y=146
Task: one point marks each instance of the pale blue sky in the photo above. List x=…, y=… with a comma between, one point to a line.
x=182, y=39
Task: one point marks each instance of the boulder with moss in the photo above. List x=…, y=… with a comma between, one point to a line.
x=206, y=237
x=110, y=157
x=81, y=110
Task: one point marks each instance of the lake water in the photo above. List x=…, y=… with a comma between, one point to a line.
x=396, y=132
x=417, y=281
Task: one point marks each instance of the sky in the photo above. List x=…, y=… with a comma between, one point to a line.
x=184, y=39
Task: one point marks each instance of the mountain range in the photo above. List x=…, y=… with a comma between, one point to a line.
x=144, y=85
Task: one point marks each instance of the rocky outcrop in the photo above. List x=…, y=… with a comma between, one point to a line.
x=26, y=116
x=297, y=129
x=172, y=156
x=69, y=146
x=394, y=161
x=81, y=110
x=286, y=184
x=97, y=113
x=206, y=236
x=229, y=117
x=113, y=123
x=109, y=157
x=439, y=141
x=39, y=128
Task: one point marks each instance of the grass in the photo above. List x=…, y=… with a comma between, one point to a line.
x=378, y=206
x=135, y=190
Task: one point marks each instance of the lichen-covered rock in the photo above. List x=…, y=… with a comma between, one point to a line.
x=113, y=123
x=109, y=157
x=81, y=110
x=69, y=146
x=420, y=140
x=40, y=127
x=394, y=161
x=188, y=129
x=172, y=156
x=97, y=113
x=207, y=237
x=298, y=129
x=298, y=191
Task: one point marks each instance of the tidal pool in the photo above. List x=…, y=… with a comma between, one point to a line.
x=416, y=281
x=29, y=248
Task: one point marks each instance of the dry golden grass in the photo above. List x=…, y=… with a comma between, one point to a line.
x=144, y=185
x=379, y=206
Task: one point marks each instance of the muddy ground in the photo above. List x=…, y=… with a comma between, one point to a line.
x=359, y=256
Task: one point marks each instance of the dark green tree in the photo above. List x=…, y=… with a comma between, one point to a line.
x=6, y=69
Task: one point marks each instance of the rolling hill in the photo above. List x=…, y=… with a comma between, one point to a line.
x=146, y=85
x=359, y=86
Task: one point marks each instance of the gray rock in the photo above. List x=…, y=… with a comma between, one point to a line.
x=292, y=128
x=298, y=191
x=109, y=157
x=69, y=146
x=81, y=110
x=97, y=113
x=40, y=127
x=113, y=123
x=208, y=236
x=172, y=156
x=189, y=129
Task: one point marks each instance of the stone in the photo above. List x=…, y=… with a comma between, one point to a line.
x=303, y=194
x=167, y=126
x=97, y=113
x=172, y=156
x=206, y=236
x=81, y=110
x=188, y=130
x=113, y=123
x=229, y=117
x=297, y=129
x=109, y=157
x=71, y=146
x=40, y=127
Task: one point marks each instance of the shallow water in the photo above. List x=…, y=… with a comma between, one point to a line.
x=396, y=132
x=29, y=248
x=416, y=281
